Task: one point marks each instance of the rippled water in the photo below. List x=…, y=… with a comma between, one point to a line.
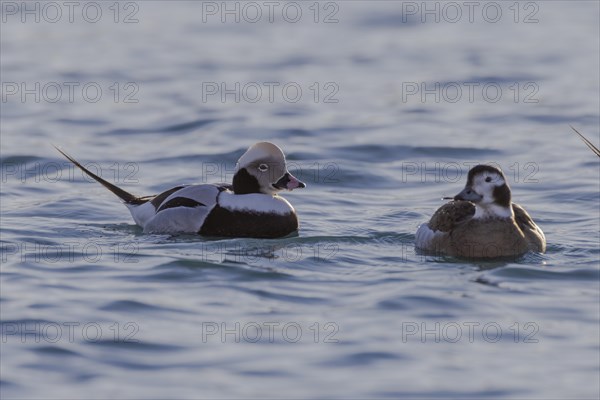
x=93, y=308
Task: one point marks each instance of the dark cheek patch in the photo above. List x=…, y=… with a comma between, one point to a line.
x=502, y=195
x=244, y=183
x=283, y=182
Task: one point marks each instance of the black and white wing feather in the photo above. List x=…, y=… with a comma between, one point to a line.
x=181, y=211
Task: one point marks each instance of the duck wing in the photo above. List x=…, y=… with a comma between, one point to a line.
x=533, y=234
x=451, y=214
x=433, y=235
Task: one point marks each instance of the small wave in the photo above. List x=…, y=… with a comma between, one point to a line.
x=54, y=351
x=137, y=345
x=380, y=153
x=179, y=127
x=535, y=274
x=135, y=306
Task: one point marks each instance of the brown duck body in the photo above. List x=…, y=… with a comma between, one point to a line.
x=454, y=231
x=482, y=221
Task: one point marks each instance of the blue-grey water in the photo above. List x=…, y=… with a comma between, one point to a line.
x=381, y=108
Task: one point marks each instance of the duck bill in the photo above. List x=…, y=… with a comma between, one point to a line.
x=289, y=182
x=468, y=194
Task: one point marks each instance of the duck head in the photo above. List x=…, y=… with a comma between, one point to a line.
x=262, y=169
x=487, y=189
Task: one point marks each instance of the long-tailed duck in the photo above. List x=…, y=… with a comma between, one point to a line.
x=249, y=207
x=481, y=221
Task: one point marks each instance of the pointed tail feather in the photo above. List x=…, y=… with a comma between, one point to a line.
x=587, y=142
x=123, y=195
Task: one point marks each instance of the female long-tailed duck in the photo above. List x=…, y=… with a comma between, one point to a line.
x=250, y=207
x=481, y=221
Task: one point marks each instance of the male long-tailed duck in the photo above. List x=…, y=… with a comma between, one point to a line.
x=481, y=221
x=249, y=207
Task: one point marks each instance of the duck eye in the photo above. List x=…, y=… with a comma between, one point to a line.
x=263, y=167
x=488, y=179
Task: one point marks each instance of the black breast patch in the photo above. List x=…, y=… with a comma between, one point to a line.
x=228, y=223
x=180, y=202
